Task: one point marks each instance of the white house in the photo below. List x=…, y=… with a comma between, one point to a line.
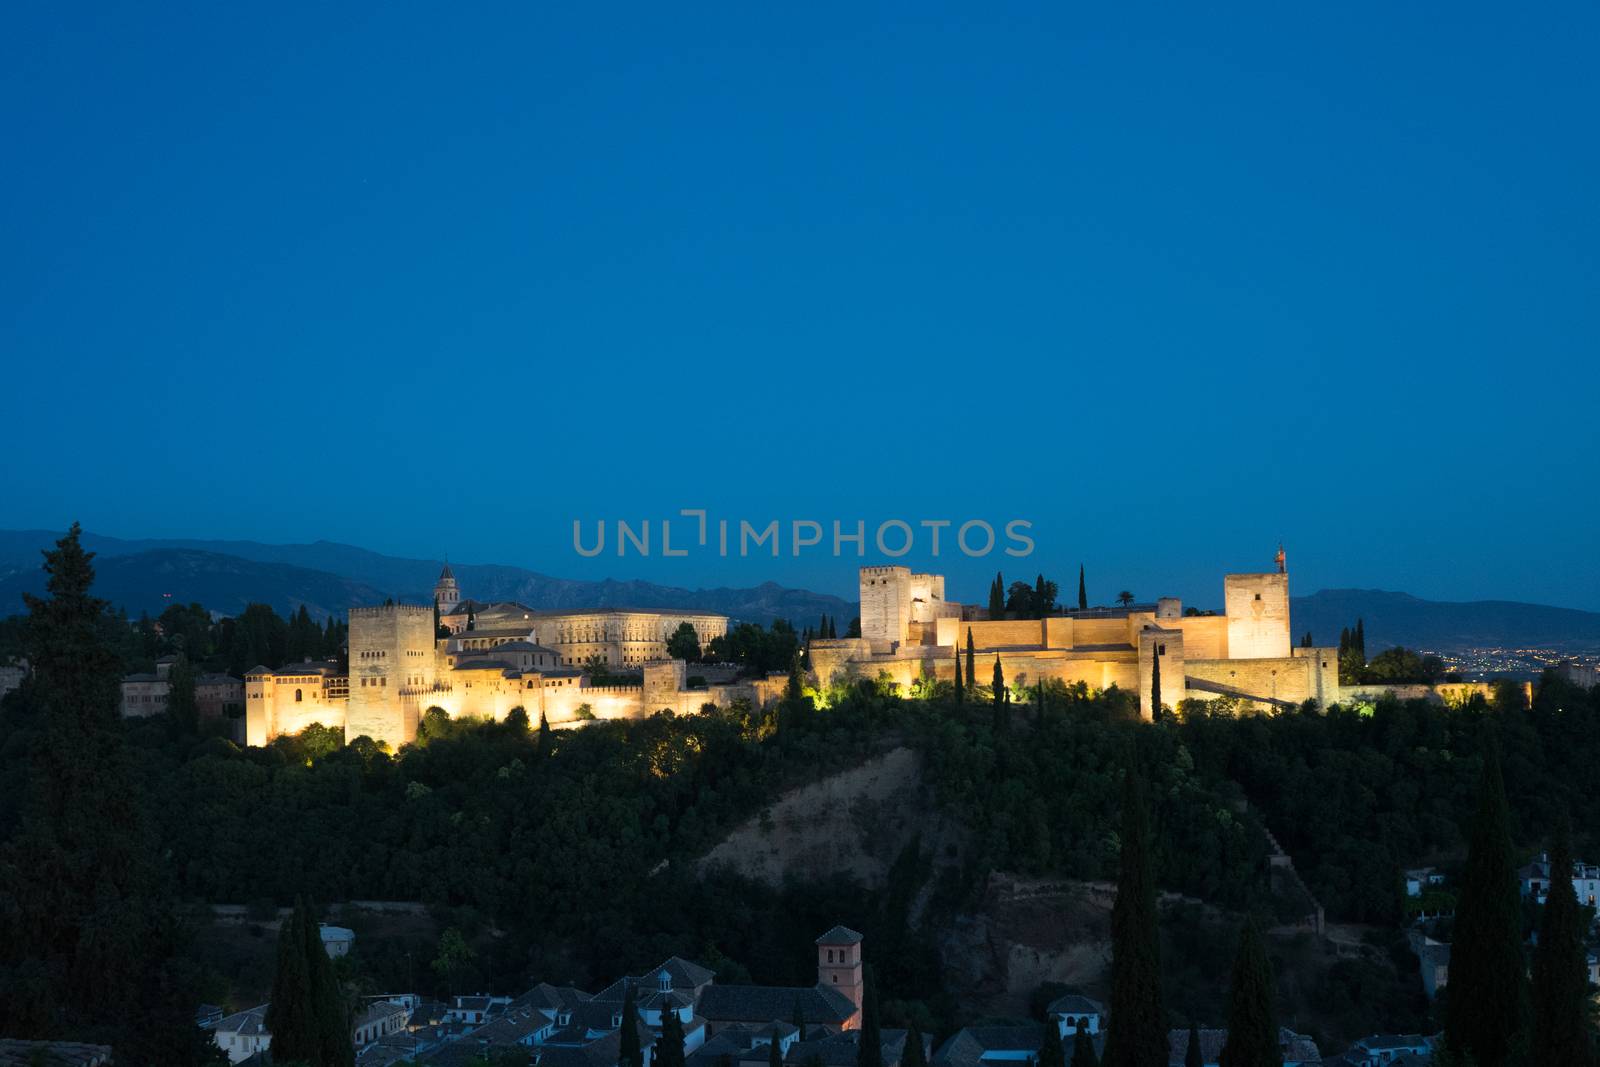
x=379, y=1019
x=1382, y=1049
x=1419, y=879
x=1070, y=1010
x=336, y=939
x=1535, y=879
x=243, y=1034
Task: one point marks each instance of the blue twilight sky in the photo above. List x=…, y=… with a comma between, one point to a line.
x=1170, y=282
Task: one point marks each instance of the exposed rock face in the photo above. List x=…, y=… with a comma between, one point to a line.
x=852, y=823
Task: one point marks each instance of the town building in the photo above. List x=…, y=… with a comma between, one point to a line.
x=1297, y=1050
x=1534, y=879
x=243, y=1034
x=1388, y=1050
x=145, y=694
x=14, y=1053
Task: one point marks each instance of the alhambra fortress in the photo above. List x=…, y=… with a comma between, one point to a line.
x=486, y=659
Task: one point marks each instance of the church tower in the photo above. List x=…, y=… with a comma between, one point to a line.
x=446, y=594
x=839, y=966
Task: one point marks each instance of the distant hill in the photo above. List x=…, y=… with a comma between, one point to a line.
x=150, y=581
x=1401, y=619
x=330, y=578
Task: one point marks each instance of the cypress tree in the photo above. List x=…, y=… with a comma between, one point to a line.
x=1560, y=976
x=799, y=1021
x=631, y=1055
x=1138, y=1032
x=869, y=1051
x=775, y=1051
x=1344, y=640
x=1050, y=1054
x=181, y=706
x=1083, y=594
x=914, y=1055
x=998, y=685
x=972, y=670
x=669, y=1046
x=960, y=696
x=1361, y=638
x=1083, y=1048
x=833, y=626
x=997, y=597
x=544, y=734
x=1194, y=1055
x=292, y=1015
x=1155, y=683
x=327, y=1001
x=1252, y=1014
x=1487, y=1009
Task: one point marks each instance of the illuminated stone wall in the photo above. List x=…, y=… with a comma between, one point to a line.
x=1257, y=606
x=885, y=604
x=392, y=650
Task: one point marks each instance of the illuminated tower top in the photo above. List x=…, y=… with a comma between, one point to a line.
x=446, y=594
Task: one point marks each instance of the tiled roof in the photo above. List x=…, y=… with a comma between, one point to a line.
x=685, y=975
x=250, y=1023
x=1073, y=1004
x=758, y=1004
x=15, y=1053
x=840, y=935
x=1297, y=1048
x=842, y=1049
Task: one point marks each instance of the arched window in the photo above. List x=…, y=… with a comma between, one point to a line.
x=297, y=696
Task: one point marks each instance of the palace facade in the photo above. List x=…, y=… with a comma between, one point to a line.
x=484, y=660
x=910, y=631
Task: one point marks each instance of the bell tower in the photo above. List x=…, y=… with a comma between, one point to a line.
x=446, y=594
x=839, y=967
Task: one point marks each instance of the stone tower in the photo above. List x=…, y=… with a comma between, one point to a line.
x=391, y=658
x=446, y=594
x=839, y=966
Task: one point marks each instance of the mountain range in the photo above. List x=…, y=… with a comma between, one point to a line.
x=329, y=578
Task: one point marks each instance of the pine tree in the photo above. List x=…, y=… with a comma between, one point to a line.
x=89, y=939
x=1083, y=1047
x=1083, y=593
x=960, y=694
x=1560, y=977
x=1050, y=1054
x=1195, y=1054
x=914, y=1055
x=632, y=1055
x=869, y=1051
x=1487, y=1009
x=1252, y=1011
x=1138, y=1032
x=1155, y=683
